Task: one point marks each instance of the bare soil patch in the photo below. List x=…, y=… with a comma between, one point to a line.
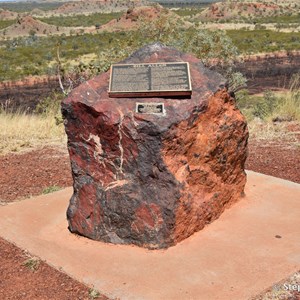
x=133, y=17
x=275, y=159
x=29, y=173
x=32, y=172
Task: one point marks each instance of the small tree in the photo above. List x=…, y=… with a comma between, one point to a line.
x=212, y=47
x=32, y=32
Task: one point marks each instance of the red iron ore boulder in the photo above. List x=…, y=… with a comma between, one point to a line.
x=153, y=180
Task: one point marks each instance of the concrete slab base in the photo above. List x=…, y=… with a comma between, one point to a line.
x=235, y=257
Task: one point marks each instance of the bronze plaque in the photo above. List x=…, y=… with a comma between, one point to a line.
x=148, y=80
x=150, y=108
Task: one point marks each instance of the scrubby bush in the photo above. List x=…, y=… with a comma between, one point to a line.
x=276, y=107
x=267, y=106
x=256, y=41
x=50, y=107
x=289, y=103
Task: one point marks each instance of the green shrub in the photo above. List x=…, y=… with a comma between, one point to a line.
x=93, y=293
x=51, y=107
x=256, y=41
x=282, y=19
x=32, y=263
x=288, y=108
x=6, y=23
x=276, y=107
x=267, y=106
x=51, y=189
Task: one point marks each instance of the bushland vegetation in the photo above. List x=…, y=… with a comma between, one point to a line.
x=83, y=56
x=282, y=19
x=188, y=12
x=6, y=23
x=287, y=20
x=82, y=20
x=271, y=106
x=258, y=41
x=268, y=114
x=35, y=55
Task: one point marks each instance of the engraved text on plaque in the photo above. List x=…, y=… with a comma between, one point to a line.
x=147, y=80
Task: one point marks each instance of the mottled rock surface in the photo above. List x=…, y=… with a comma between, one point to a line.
x=153, y=180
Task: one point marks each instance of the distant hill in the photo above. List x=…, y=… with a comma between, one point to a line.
x=66, y=8
x=93, y=6
x=245, y=8
x=37, y=12
x=7, y=15
x=27, y=25
x=185, y=1
x=66, y=1
x=131, y=19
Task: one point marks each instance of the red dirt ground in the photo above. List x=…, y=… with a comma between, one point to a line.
x=30, y=173
x=18, y=281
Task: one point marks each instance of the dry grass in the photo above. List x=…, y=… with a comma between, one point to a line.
x=261, y=130
x=20, y=131
x=289, y=106
x=32, y=263
x=271, y=116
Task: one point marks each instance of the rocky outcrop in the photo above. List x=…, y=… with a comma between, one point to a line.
x=97, y=6
x=134, y=16
x=147, y=179
x=244, y=9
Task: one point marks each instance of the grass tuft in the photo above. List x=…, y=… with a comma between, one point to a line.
x=51, y=189
x=289, y=104
x=32, y=263
x=261, y=130
x=268, y=115
x=93, y=293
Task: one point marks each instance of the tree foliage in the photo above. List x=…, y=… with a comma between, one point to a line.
x=210, y=46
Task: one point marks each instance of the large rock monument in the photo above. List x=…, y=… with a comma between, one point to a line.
x=153, y=179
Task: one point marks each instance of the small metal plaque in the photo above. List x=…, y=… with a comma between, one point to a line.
x=150, y=108
x=148, y=80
